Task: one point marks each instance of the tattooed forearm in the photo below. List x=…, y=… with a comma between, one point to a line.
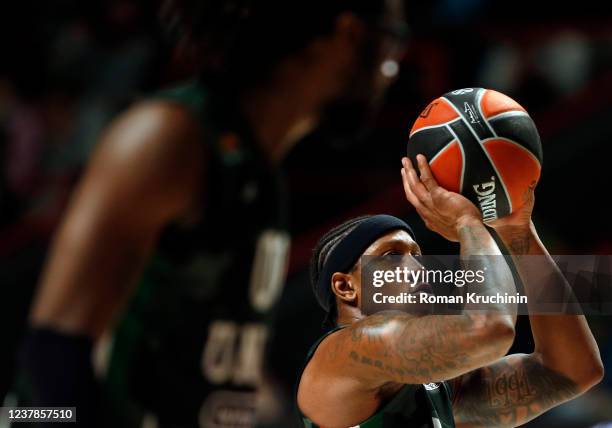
x=476, y=240
x=517, y=237
x=411, y=349
x=519, y=244
x=509, y=393
x=434, y=346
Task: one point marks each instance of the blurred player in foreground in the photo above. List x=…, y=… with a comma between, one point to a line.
x=182, y=209
x=393, y=369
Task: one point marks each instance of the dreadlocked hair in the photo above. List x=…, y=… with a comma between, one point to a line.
x=239, y=42
x=321, y=252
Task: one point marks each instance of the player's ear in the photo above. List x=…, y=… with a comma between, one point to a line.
x=344, y=287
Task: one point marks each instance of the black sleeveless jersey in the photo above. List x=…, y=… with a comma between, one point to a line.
x=190, y=347
x=413, y=406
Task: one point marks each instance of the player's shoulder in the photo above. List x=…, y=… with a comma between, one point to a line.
x=157, y=120
x=326, y=393
x=156, y=131
x=154, y=147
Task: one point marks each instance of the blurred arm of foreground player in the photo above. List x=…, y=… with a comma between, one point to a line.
x=565, y=362
x=144, y=174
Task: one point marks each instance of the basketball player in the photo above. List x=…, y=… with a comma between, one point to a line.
x=183, y=203
x=392, y=369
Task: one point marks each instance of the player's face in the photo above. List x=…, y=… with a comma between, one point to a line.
x=397, y=244
x=375, y=67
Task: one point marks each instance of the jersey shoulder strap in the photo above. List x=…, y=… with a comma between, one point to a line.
x=304, y=420
x=191, y=94
x=314, y=347
x=226, y=130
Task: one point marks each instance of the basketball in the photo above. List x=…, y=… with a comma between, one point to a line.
x=482, y=144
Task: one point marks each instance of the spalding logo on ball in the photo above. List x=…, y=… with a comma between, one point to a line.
x=482, y=144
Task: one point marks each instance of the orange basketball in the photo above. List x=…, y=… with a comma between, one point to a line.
x=482, y=144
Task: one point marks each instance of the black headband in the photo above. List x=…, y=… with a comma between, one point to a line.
x=352, y=246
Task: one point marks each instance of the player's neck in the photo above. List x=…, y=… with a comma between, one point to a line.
x=348, y=315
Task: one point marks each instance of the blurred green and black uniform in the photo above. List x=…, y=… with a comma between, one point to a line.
x=414, y=406
x=189, y=349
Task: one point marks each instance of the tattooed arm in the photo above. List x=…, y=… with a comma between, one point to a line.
x=353, y=369
x=565, y=361
x=510, y=392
